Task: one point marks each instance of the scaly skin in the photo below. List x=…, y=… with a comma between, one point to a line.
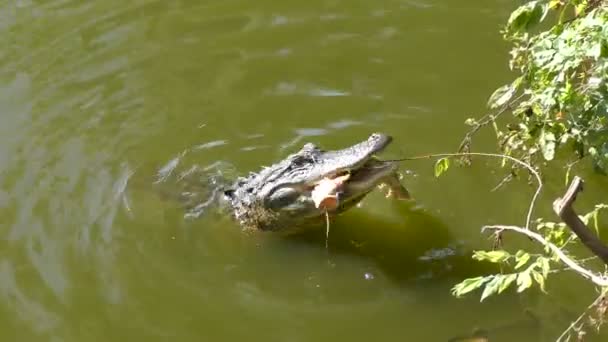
x=278, y=198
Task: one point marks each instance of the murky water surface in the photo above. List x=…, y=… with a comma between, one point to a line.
x=107, y=105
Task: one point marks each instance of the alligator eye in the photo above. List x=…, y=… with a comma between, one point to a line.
x=299, y=161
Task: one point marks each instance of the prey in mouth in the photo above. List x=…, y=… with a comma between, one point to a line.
x=312, y=182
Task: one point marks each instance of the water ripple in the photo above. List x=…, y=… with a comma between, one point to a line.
x=26, y=308
x=103, y=105
x=210, y=144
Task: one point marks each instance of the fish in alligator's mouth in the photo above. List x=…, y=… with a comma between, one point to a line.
x=306, y=185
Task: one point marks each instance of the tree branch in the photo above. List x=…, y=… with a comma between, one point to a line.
x=596, y=279
x=573, y=324
x=563, y=209
x=494, y=155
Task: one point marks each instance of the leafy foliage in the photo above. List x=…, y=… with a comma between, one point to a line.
x=559, y=106
x=441, y=166
x=560, y=97
x=526, y=269
x=535, y=272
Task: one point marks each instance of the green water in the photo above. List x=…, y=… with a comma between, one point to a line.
x=97, y=98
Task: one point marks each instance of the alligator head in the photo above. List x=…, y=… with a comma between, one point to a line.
x=279, y=197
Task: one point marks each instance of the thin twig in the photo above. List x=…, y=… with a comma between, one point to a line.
x=495, y=155
x=596, y=279
x=504, y=181
x=580, y=261
x=326, y=230
x=487, y=119
x=583, y=314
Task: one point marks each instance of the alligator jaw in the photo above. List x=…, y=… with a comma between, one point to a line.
x=280, y=196
x=374, y=173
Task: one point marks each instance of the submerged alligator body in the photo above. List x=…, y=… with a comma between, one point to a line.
x=280, y=197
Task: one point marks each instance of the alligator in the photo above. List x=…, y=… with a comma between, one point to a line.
x=279, y=197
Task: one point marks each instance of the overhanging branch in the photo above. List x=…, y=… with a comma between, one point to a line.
x=563, y=209
x=597, y=279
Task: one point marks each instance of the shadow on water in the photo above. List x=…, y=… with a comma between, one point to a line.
x=405, y=240
x=384, y=255
x=415, y=249
x=411, y=245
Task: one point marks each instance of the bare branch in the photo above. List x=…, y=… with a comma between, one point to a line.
x=596, y=279
x=573, y=324
x=563, y=209
x=485, y=120
x=494, y=155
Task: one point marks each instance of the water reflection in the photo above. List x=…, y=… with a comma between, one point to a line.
x=75, y=110
x=289, y=88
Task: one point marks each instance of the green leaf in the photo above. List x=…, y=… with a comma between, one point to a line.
x=585, y=218
x=595, y=51
x=554, y=4
x=579, y=8
x=524, y=281
x=491, y=256
x=468, y=285
x=491, y=287
x=506, y=282
x=441, y=165
x=592, y=151
x=501, y=96
x=539, y=279
x=521, y=259
x=470, y=122
x=550, y=225
x=525, y=16
x=544, y=266
x=595, y=221
x=547, y=145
